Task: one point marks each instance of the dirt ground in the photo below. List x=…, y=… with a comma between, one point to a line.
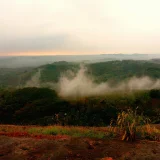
x=21, y=148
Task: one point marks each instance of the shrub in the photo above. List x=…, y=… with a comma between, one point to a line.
x=129, y=122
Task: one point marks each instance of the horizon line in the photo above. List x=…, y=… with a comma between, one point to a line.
x=41, y=55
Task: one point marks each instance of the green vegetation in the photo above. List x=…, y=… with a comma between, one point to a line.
x=149, y=132
x=120, y=70
x=52, y=72
x=113, y=71
x=129, y=122
x=15, y=77
x=43, y=106
x=70, y=131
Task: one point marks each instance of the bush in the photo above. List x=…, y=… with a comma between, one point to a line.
x=129, y=122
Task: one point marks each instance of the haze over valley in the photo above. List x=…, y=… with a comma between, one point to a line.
x=79, y=79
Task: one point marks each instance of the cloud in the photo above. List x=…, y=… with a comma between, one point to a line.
x=81, y=85
x=109, y=26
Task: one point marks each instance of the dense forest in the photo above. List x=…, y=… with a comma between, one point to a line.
x=104, y=71
x=43, y=106
x=114, y=71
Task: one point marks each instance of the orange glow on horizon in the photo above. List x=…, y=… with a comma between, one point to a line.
x=48, y=53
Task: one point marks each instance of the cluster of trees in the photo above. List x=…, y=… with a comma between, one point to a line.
x=52, y=72
x=121, y=70
x=44, y=107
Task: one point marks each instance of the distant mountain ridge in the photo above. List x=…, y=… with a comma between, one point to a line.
x=35, y=61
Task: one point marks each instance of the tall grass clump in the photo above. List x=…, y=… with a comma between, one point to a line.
x=129, y=122
x=150, y=132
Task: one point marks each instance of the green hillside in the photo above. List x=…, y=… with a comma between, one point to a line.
x=12, y=77
x=113, y=71
x=103, y=71
x=52, y=72
x=120, y=70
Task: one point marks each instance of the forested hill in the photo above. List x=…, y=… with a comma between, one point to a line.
x=120, y=70
x=102, y=71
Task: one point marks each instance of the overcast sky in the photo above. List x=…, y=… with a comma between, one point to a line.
x=41, y=27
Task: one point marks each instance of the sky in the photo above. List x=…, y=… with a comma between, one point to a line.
x=58, y=27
